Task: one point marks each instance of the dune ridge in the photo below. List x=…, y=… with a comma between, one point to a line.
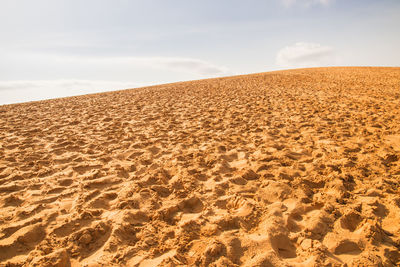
x=288, y=168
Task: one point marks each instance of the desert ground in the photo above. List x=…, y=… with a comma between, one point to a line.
x=287, y=168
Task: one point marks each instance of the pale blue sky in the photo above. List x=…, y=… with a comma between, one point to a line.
x=54, y=48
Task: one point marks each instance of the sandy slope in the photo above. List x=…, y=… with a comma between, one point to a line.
x=292, y=168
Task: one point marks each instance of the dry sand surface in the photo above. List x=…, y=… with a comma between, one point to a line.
x=290, y=168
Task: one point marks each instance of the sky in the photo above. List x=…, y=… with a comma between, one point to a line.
x=57, y=48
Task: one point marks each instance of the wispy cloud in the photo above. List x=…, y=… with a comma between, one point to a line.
x=194, y=66
x=66, y=85
x=172, y=68
x=306, y=55
x=22, y=91
x=189, y=65
x=306, y=3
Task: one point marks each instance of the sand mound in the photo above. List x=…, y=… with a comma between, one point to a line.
x=291, y=168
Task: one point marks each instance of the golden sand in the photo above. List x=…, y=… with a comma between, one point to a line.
x=289, y=168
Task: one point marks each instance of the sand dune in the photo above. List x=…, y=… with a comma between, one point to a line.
x=289, y=168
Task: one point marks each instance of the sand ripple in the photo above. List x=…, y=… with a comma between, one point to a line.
x=291, y=168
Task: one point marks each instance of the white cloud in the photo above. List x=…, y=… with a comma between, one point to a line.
x=305, y=55
x=306, y=3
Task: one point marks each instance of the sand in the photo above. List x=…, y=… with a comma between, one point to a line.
x=289, y=168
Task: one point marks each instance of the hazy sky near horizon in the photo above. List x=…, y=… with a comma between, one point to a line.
x=55, y=48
